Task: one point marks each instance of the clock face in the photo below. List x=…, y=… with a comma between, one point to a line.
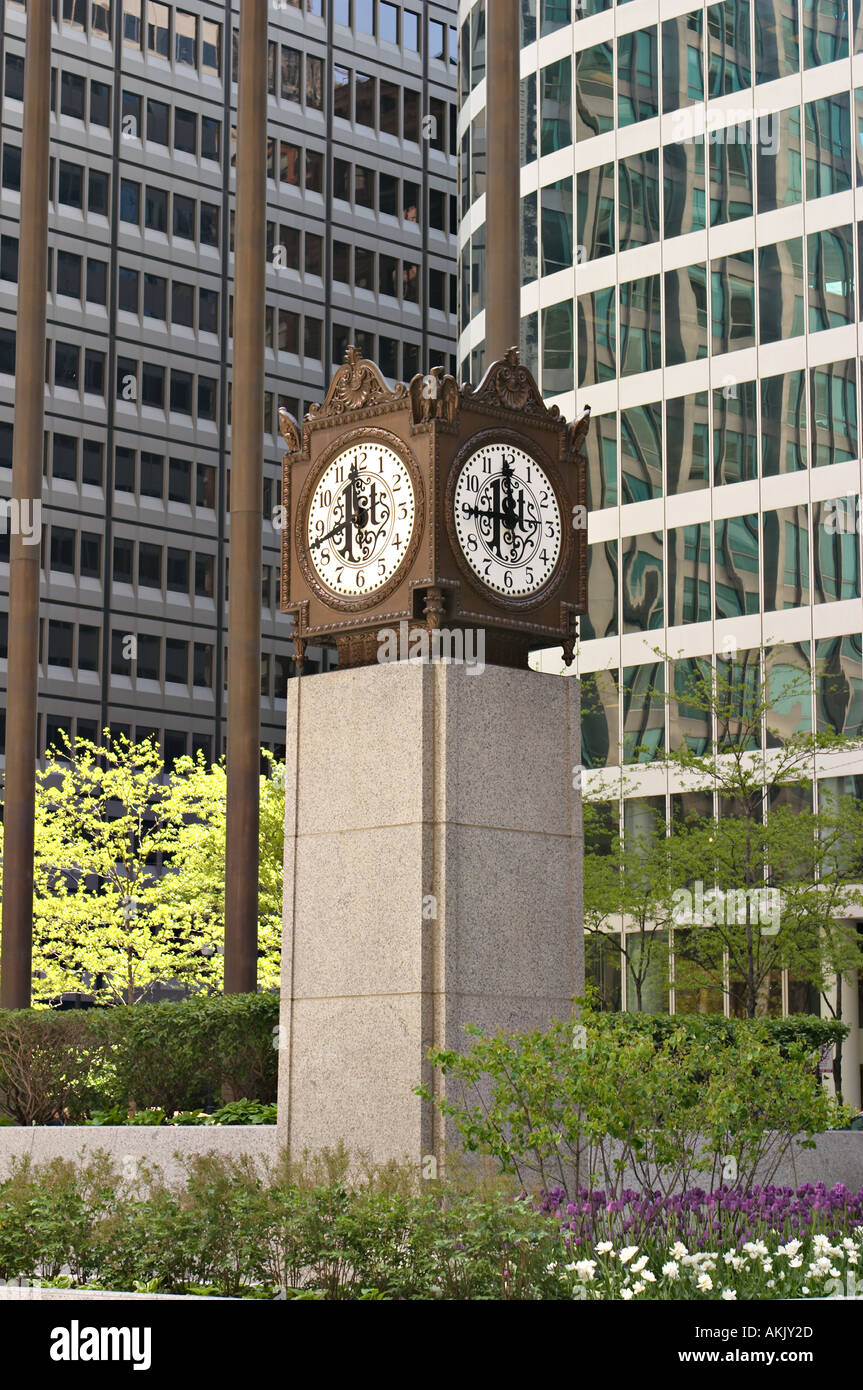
x=361, y=519
x=507, y=520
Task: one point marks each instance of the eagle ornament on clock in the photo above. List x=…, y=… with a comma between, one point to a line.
x=437, y=506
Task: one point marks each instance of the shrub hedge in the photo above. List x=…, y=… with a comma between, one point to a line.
x=192, y=1055
x=64, y=1066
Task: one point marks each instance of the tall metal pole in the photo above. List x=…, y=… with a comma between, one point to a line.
x=502, y=259
x=247, y=473
x=26, y=539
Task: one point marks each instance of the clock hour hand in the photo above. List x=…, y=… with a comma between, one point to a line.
x=316, y=545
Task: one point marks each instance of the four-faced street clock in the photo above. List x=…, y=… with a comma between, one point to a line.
x=435, y=506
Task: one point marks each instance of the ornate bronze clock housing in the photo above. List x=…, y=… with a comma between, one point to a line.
x=434, y=506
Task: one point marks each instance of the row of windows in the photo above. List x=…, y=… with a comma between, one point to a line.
x=698, y=61
x=196, y=221
x=654, y=975
x=715, y=309
x=629, y=706
x=180, y=134
x=93, y=18
x=73, y=92
x=379, y=19
x=186, y=132
x=173, y=35
x=389, y=277
x=138, y=292
x=156, y=386
x=169, y=569
x=375, y=103
x=145, y=564
x=291, y=69
x=739, y=421
x=759, y=563
x=89, y=191
x=381, y=192
x=750, y=168
x=67, y=185
x=83, y=461
x=136, y=199
x=174, y=743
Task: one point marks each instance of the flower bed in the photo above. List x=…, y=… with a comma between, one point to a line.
x=772, y=1242
x=231, y=1229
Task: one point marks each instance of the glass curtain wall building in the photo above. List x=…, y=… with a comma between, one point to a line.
x=692, y=225
x=361, y=246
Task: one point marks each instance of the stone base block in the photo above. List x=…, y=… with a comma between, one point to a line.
x=432, y=880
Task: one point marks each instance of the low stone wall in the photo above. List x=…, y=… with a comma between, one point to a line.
x=158, y=1145
x=837, y=1157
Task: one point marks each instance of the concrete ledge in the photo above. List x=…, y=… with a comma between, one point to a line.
x=35, y=1293
x=157, y=1145
x=837, y=1157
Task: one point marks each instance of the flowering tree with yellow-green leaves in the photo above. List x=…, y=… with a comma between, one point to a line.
x=129, y=871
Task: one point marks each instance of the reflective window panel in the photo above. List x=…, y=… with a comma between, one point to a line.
x=683, y=185
x=600, y=720
x=601, y=621
x=837, y=549
x=839, y=684
x=640, y=326
x=682, y=63
x=735, y=433
x=637, y=77
x=736, y=558
x=600, y=449
x=638, y=195
x=557, y=246
x=595, y=212
x=597, y=337
x=785, y=534
x=733, y=302
x=685, y=314
x=687, y=444
x=833, y=394
x=643, y=712
x=643, y=605
x=641, y=452
x=777, y=39
x=689, y=574
x=784, y=429
x=780, y=177
x=595, y=88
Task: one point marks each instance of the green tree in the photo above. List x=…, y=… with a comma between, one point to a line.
x=129, y=876
x=629, y=882
x=193, y=841
x=765, y=836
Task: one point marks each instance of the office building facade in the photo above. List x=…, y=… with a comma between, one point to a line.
x=692, y=225
x=361, y=247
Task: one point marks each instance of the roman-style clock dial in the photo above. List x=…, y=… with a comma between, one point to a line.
x=361, y=519
x=507, y=520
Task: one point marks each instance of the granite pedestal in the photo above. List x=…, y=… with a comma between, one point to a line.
x=432, y=880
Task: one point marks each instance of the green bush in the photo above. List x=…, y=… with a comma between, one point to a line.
x=148, y=1056
x=806, y=1030
x=50, y=1065
x=619, y=1100
x=183, y=1056
x=237, y=1230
